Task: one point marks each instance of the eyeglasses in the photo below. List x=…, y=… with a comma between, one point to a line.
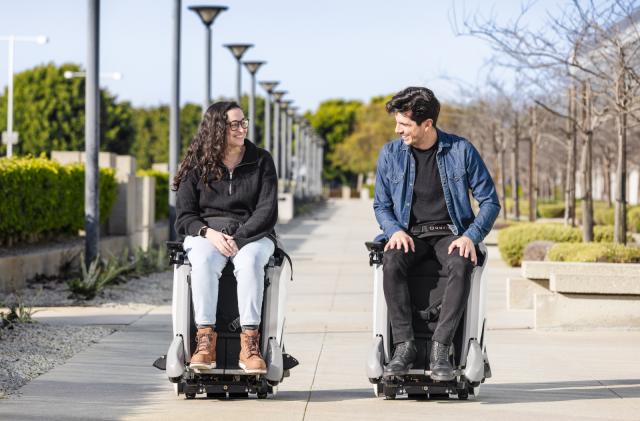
x=235, y=124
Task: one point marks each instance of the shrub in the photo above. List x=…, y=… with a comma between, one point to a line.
x=372, y=190
x=100, y=274
x=512, y=240
x=598, y=207
x=594, y=252
x=41, y=197
x=634, y=219
x=604, y=234
x=523, y=206
x=19, y=312
x=162, y=191
x=551, y=210
x=603, y=216
x=536, y=250
x=153, y=260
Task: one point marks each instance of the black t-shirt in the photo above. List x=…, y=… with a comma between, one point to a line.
x=427, y=202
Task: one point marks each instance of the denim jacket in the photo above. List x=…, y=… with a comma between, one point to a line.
x=461, y=169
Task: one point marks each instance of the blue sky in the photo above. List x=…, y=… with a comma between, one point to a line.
x=318, y=49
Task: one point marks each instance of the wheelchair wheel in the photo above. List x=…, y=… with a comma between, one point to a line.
x=262, y=390
x=463, y=394
x=390, y=392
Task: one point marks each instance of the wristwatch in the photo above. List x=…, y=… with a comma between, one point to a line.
x=202, y=232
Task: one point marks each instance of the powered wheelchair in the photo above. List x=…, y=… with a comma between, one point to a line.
x=228, y=380
x=468, y=353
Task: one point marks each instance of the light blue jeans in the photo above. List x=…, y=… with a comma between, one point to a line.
x=207, y=264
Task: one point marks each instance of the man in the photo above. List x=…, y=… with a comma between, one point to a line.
x=422, y=205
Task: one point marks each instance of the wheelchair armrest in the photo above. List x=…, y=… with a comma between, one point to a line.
x=376, y=251
x=177, y=254
x=375, y=245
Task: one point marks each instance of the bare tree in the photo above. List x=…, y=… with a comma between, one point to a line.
x=594, y=46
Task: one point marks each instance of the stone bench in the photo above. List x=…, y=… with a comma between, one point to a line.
x=594, y=284
x=571, y=295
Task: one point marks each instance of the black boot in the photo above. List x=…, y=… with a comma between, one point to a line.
x=402, y=360
x=439, y=364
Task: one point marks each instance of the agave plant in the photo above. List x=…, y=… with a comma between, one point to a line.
x=100, y=273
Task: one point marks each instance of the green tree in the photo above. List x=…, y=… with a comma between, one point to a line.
x=151, y=126
x=334, y=121
x=49, y=113
x=374, y=127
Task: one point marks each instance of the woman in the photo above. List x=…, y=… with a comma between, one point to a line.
x=227, y=206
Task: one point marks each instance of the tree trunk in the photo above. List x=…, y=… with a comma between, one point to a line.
x=607, y=179
x=503, y=178
x=514, y=171
x=587, y=201
x=572, y=152
x=533, y=185
x=360, y=182
x=620, y=222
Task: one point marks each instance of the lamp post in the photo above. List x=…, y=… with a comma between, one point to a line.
x=268, y=86
x=321, y=145
x=282, y=143
x=252, y=67
x=291, y=112
x=92, y=134
x=10, y=137
x=277, y=96
x=174, y=113
x=238, y=51
x=207, y=15
x=312, y=165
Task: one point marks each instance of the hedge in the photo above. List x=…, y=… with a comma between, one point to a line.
x=512, y=240
x=634, y=219
x=594, y=252
x=604, y=234
x=162, y=191
x=42, y=197
x=551, y=210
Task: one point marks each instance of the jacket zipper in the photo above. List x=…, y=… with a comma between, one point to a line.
x=230, y=181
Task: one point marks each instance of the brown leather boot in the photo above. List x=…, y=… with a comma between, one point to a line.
x=250, y=359
x=205, y=355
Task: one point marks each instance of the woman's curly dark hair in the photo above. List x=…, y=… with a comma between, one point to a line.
x=206, y=150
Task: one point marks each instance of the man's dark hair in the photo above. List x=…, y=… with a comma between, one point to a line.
x=419, y=104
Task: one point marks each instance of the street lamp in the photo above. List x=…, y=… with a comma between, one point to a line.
x=207, y=14
x=252, y=67
x=291, y=112
x=277, y=97
x=268, y=86
x=238, y=51
x=10, y=137
x=284, y=129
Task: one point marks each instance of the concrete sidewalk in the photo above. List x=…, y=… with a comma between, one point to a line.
x=536, y=375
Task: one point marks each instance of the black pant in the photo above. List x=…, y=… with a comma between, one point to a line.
x=396, y=267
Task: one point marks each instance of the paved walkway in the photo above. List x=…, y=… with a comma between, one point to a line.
x=536, y=375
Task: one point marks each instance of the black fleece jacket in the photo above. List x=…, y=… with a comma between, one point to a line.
x=244, y=203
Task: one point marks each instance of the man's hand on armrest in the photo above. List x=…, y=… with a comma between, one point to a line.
x=400, y=240
x=466, y=246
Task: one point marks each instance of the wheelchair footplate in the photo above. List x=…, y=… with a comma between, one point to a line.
x=224, y=383
x=418, y=384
